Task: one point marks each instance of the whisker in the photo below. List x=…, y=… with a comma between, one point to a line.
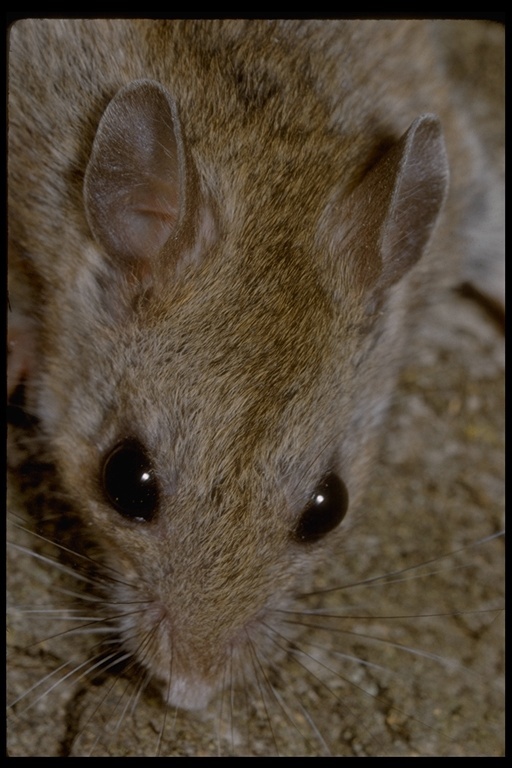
x=84, y=665
x=105, y=697
x=106, y=570
x=260, y=673
x=166, y=708
x=295, y=651
x=389, y=578
x=365, y=617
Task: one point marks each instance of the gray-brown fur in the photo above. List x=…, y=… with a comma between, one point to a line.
x=255, y=346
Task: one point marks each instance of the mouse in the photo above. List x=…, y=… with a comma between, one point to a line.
x=218, y=233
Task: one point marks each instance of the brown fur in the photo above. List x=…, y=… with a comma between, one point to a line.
x=253, y=344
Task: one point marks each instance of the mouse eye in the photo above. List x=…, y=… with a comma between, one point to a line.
x=129, y=481
x=327, y=508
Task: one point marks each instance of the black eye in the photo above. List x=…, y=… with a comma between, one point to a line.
x=129, y=481
x=327, y=508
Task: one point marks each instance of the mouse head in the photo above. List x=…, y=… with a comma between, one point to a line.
x=228, y=375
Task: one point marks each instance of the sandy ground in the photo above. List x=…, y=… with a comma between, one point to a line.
x=438, y=488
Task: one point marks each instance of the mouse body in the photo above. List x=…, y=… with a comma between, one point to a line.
x=216, y=232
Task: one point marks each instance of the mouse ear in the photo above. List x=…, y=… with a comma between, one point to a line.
x=396, y=206
x=134, y=185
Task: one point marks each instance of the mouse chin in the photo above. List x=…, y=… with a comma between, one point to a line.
x=187, y=693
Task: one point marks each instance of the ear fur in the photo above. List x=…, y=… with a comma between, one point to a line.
x=134, y=187
x=393, y=212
